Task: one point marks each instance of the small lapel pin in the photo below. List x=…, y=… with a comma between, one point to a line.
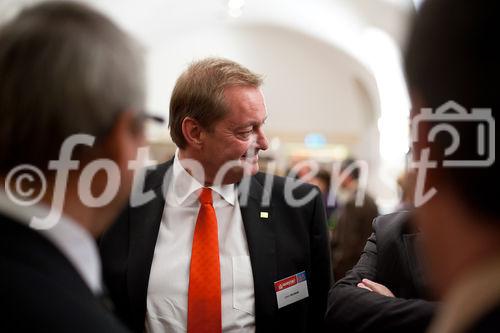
x=264, y=215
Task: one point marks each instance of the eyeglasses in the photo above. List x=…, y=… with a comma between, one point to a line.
x=147, y=116
x=141, y=117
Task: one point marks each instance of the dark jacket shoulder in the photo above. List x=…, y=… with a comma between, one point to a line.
x=41, y=290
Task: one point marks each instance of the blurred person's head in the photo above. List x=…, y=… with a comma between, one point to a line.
x=216, y=115
x=302, y=170
x=349, y=174
x=452, y=55
x=322, y=181
x=66, y=69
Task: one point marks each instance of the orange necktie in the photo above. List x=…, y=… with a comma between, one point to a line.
x=204, y=294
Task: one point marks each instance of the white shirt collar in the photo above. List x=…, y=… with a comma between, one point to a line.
x=184, y=185
x=76, y=243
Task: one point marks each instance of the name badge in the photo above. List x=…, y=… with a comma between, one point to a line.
x=291, y=289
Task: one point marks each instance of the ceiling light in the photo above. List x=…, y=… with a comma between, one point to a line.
x=234, y=12
x=236, y=4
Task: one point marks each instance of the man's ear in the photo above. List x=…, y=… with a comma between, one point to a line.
x=193, y=132
x=125, y=137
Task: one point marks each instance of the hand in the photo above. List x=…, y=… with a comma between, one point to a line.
x=375, y=287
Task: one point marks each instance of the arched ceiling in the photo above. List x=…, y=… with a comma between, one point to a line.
x=312, y=53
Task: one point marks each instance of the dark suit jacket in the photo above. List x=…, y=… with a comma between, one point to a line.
x=389, y=258
x=291, y=240
x=40, y=290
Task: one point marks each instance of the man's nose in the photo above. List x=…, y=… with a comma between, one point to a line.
x=261, y=142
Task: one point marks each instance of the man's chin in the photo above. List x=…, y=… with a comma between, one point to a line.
x=250, y=168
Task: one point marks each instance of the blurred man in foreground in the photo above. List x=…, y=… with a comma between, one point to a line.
x=70, y=99
x=452, y=67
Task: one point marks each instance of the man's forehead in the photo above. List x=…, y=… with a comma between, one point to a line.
x=243, y=95
x=241, y=118
x=245, y=105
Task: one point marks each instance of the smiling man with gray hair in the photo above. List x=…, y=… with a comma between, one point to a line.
x=71, y=95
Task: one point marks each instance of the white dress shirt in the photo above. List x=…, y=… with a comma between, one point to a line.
x=167, y=299
x=75, y=243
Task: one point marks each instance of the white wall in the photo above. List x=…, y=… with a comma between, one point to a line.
x=319, y=74
x=310, y=86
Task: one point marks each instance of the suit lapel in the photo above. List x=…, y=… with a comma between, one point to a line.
x=144, y=225
x=260, y=234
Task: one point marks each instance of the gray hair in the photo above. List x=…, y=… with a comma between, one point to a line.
x=64, y=69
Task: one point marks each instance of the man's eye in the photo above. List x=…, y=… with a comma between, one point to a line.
x=246, y=133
